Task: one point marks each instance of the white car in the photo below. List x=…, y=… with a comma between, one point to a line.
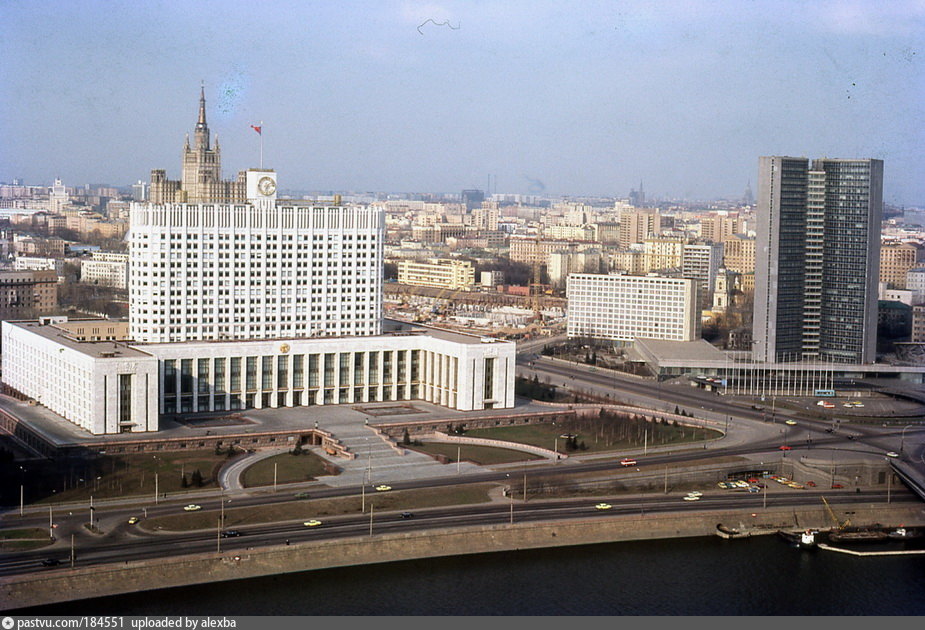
x=691, y=498
x=892, y=454
x=192, y=507
x=790, y=422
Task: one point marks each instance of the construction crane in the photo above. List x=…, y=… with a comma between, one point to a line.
x=838, y=523
x=536, y=289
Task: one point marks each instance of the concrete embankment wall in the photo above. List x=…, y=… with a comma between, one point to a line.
x=57, y=585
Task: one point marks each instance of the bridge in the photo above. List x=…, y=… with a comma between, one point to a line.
x=913, y=476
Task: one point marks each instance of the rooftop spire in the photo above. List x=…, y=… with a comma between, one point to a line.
x=201, y=123
x=202, y=129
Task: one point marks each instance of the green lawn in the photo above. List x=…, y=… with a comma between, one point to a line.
x=319, y=508
x=32, y=532
x=289, y=469
x=482, y=455
x=135, y=474
x=23, y=539
x=597, y=436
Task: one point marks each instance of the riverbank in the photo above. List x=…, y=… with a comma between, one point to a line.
x=59, y=585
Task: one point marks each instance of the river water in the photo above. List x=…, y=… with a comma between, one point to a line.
x=692, y=576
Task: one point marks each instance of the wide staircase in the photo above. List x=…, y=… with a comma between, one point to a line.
x=377, y=461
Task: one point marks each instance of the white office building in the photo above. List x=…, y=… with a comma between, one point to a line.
x=259, y=270
x=623, y=307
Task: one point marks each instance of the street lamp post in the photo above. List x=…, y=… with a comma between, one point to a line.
x=22, y=489
x=902, y=438
x=889, y=483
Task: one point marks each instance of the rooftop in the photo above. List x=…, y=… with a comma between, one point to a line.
x=95, y=349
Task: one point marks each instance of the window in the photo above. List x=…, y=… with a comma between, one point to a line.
x=297, y=378
x=282, y=372
x=251, y=375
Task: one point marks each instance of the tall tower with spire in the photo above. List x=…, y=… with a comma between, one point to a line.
x=201, y=177
x=202, y=163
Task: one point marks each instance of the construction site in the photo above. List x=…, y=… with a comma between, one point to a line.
x=518, y=313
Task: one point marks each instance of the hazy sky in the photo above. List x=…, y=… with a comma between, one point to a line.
x=573, y=98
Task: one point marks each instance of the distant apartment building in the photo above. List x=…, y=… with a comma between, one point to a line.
x=739, y=253
x=918, y=324
x=37, y=246
x=105, y=269
x=439, y=273
x=629, y=260
x=25, y=294
x=486, y=217
x=561, y=264
x=915, y=282
x=39, y=263
x=57, y=197
x=718, y=228
x=638, y=225
x=569, y=232
x=896, y=259
x=472, y=198
x=663, y=253
x=701, y=262
x=622, y=307
x=536, y=251
x=491, y=278
x=607, y=233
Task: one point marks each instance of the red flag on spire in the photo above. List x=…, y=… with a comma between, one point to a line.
x=257, y=128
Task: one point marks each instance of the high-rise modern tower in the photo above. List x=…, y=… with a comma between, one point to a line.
x=817, y=260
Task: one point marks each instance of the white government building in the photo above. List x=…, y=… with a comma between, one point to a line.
x=248, y=302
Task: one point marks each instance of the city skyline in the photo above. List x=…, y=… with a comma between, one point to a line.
x=389, y=97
